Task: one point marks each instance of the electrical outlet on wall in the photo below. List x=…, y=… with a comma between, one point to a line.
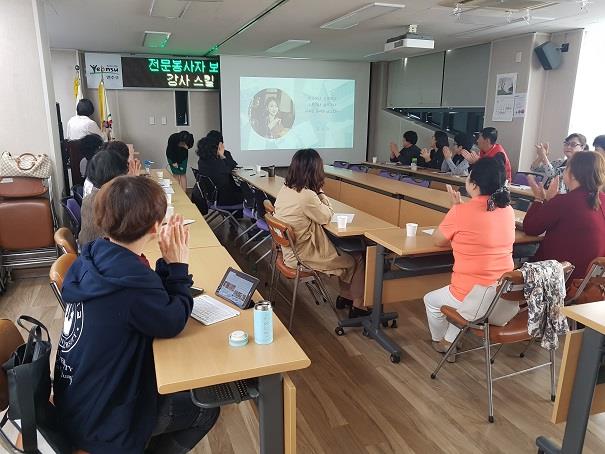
x=151, y=120
x=163, y=119
x=518, y=57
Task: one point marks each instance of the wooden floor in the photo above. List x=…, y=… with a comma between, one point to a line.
x=353, y=400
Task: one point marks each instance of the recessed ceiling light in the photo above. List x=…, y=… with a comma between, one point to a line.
x=156, y=39
x=287, y=45
x=369, y=11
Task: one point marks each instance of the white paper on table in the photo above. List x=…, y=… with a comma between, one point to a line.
x=428, y=231
x=349, y=217
x=168, y=190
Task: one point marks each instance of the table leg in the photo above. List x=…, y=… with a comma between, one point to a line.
x=271, y=414
x=589, y=364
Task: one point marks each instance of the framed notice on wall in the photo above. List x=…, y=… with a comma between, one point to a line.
x=151, y=72
x=171, y=73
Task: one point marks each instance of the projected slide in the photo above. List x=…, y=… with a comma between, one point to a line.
x=287, y=113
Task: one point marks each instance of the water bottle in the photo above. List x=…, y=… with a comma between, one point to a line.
x=263, y=322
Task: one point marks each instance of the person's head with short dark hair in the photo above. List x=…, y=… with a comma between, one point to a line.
x=207, y=148
x=599, y=144
x=128, y=208
x=409, y=138
x=586, y=170
x=118, y=147
x=440, y=140
x=105, y=166
x=306, y=171
x=463, y=141
x=487, y=138
x=488, y=177
x=89, y=145
x=215, y=135
x=186, y=138
x=85, y=107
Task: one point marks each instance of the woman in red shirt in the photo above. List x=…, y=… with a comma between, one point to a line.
x=573, y=223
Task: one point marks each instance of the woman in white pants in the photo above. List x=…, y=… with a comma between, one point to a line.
x=481, y=233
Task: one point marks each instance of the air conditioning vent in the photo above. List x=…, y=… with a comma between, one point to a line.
x=505, y=5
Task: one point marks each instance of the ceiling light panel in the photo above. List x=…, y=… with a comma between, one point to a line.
x=156, y=39
x=369, y=11
x=168, y=9
x=287, y=46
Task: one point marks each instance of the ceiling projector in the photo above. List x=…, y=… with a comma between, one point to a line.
x=409, y=40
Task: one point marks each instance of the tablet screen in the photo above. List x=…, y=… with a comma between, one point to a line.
x=237, y=287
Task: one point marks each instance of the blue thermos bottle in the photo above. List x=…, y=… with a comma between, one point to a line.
x=263, y=322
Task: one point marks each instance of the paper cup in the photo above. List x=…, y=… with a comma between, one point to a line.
x=169, y=212
x=160, y=174
x=411, y=228
x=258, y=169
x=374, y=160
x=169, y=199
x=342, y=222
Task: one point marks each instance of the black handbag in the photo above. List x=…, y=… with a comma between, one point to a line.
x=29, y=387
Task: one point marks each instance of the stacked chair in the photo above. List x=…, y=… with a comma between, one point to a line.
x=27, y=225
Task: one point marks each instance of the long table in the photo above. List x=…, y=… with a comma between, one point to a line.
x=200, y=355
x=392, y=200
x=434, y=175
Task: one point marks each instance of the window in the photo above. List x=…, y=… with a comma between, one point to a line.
x=181, y=107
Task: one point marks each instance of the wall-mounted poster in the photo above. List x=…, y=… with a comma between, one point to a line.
x=506, y=88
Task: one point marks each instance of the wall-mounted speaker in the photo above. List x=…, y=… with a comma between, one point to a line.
x=549, y=55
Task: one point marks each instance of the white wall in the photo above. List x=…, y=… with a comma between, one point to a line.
x=27, y=106
x=63, y=64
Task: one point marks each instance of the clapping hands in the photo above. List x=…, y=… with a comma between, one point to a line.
x=173, y=240
x=470, y=156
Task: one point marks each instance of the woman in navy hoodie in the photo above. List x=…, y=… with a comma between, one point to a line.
x=105, y=388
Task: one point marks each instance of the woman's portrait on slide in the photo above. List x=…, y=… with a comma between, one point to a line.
x=271, y=113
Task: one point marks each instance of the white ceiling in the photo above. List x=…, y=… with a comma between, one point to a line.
x=118, y=26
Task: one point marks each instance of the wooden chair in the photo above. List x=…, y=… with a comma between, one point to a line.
x=283, y=236
x=65, y=241
x=514, y=331
x=58, y=271
x=10, y=339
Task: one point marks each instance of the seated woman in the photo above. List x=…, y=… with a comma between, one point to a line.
x=217, y=164
x=134, y=165
x=89, y=146
x=104, y=167
x=433, y=159
x=573, y=223
x=302, y=204
x=116, y=304
x=481, y=233
x=573, y=144
x=177, y=154
x=599, y=144
x=454, y=161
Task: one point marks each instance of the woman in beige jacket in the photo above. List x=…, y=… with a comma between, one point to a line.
x=302, y=204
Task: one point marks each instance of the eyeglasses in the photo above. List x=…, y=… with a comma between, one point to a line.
x=572, y=144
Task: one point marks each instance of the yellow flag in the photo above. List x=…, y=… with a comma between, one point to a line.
x=101, y=95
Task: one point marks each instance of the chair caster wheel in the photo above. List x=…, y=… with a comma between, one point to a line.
x=365, y=332
x=521, y=355
x=339, y=330
x=553, y=398
x=395, y=358
x=491, y=361
x=394, y=324
x=433, y=376
x=385, y=324
x=490, y=419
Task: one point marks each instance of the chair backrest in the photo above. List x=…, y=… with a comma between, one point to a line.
x=391, y=175
x=359, y=168
x=595, y=276
x=57, y=273
x=195, y=172
x=73, y=211
x=77, y=191
x=248, y=193
x=341, y=164
x=10, y=339
x=207, y=188
x=416, y=181
x=281, y=233
x=521, y=178
x=64, y=239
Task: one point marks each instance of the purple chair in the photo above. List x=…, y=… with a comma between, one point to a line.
x=521, y=178
x=390, y=175
x=72, y=208
x=359, y=168
x=416, y=181
x=341, y=164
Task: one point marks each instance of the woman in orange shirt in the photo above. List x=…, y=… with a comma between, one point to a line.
x=481, y=233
